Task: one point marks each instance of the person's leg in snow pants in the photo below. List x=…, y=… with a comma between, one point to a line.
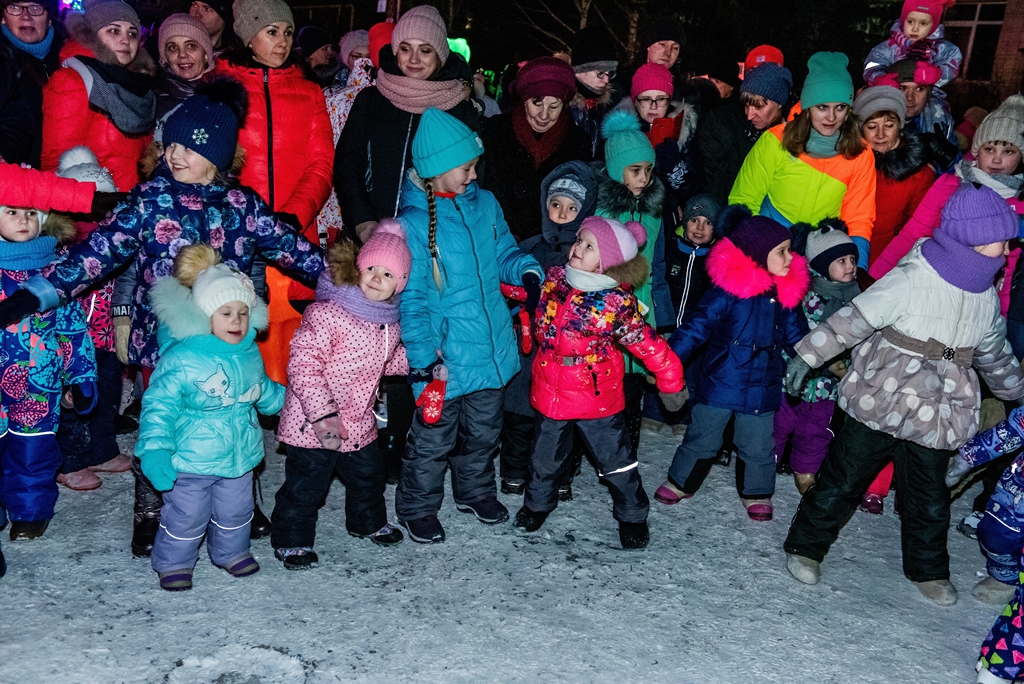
x=1001, y=530
x=1002, y=652
x=704, y=438
x=807, y=425
x=857, y=454
x=608, y=440
x=307, y=478
x=218, y=507
x=91, y=440
x=473, y=422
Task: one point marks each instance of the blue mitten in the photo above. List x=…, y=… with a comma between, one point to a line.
x=158, y=468
x=84, y=397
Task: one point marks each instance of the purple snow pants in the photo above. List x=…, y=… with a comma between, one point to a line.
x=807, y=425
x=218, y=508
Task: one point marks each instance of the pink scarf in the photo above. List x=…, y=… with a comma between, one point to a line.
x=415, y=96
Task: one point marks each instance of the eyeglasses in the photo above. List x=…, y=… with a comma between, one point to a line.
x=33, y=10
x=652, y=101
x=610, y=75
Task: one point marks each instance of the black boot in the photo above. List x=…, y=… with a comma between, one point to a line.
x=28, y=529
x=146, y=526
x=3, y=564
x=529, y=520
x=260, y=526
x=633, y=535
x=148, y=502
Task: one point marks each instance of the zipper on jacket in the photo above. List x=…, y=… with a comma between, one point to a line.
x=687, y=281
x=270, y=140
x=483, y=293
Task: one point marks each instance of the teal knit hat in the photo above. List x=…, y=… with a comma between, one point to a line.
x=442, y=143
x=827, y=80
x=624, y=143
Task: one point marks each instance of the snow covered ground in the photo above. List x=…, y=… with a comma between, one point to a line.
x=708, y=602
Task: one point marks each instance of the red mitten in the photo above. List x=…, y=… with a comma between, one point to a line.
x=431, y=399
x=525, y=332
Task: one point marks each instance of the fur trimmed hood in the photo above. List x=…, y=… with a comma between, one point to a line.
x=61, y=228
x=615, y=199
x=79, y=32
x=182, y=318
x=738, y=274
x=905, y=160
x=632, y=273
x=689, y=115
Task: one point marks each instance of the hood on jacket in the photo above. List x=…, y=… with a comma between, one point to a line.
x=616, y=199
x=633, y=273
x=561, y=234
x=740, y=276
x=905, y=160
x=176, y=309
x=59, y=227
x=341, y=263
x=82, y=40
x=688, y=112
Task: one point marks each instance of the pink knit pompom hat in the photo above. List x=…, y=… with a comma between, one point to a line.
x=617, y=242
x=388, y=248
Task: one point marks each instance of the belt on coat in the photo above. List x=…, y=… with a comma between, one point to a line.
x=932, y=349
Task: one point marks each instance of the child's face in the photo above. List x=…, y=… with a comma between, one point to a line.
x=19, y=225
x=585, y=256
x=999, y=157
x=843, y=269
x=994, y=249
x=377, y=283
x=637, y=176
x=188, y=166
x=780, y=259
x=562, y=210
x=699, y=230
x=456, y=180
x=918, y=25
x=231, y=322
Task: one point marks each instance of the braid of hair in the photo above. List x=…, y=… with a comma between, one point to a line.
x=435, y=255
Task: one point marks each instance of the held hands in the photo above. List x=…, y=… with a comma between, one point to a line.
x=158, y=468
x=531, y=283
x=958, y=467
x=330, y=432
x=796, y=374
x=104, y=202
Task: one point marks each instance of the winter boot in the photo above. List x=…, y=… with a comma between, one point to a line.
x=426, y=530
x=389, y=535
x=260, y=526
x=148, y=503
x=724, y=457
x=298, y=558
x=760, y=510
x=669, y=493
x=993, y=592
x=119, y=464
x=969, y=525
x=872, y=503
x=144, y=534
x=488, y=510
x=513, y=486
x=565, y=492
x=941, y=592
x=28, y=529
x=83, y=480
x=528, y=520
x=176, y=580
x=633, y=536
x=803, y=482
x=243, y=566
x=803, y=569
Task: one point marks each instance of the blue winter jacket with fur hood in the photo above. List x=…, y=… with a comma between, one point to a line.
x=203, y=397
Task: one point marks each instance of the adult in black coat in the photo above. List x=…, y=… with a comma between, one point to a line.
x=524, y=145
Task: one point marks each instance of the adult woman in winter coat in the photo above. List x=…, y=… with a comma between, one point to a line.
x=30, y=46
x=375, y=149
x=186, y=55
x=527, y=143
x=114, y=114
x=287, y=139
x=816, y=166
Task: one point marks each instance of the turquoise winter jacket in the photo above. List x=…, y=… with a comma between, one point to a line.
x=466, y=321
x=203, y=396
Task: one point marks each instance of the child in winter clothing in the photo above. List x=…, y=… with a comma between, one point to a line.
x=750, y=316
x=911, y=393
x=349, y=339
x=920, y=35
x=41, y=355
x=199, y=438
x=805, y=423
x=453, y=315
x=578, y=371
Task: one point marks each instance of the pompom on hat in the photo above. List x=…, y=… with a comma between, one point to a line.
x=213, y=284
x=617, y=242
x=423, y=23
x=625, y=144
x=388, y=248
x=81, y=163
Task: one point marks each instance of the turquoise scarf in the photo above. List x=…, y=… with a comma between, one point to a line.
x=820, y=147
x=38, y=50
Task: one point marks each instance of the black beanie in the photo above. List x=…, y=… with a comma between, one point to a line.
x=663, y=28
x=311, y=39
x=593, y=46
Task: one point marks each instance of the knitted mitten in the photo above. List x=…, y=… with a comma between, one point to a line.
x=431, y=399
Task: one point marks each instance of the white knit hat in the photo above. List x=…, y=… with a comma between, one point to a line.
x=220, y=284
x=81, y=163
x=1006, y=123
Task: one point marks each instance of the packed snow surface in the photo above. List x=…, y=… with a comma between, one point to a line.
x=708, y=602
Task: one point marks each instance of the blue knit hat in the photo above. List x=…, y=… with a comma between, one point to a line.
x=827, y=80
x=207, y=123
x=442, y=143
x=769, y=80
x=625, y=144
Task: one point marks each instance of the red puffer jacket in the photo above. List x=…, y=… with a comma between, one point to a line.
x=903, y=177
x=578, y=370
x=68, y=120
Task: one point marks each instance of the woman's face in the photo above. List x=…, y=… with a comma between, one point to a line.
x=272, y=45
x=828, y=117
x=881, y=133
x=187, y=59
x=27, y=27
x=417, y=59
x=542, y=113
x=122, y=39
x=652, y=104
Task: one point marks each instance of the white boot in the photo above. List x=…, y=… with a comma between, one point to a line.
x=940, y=592
x=803, y=569
x=993, y=592
x=986, y=677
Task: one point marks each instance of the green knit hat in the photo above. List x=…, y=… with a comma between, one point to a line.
x=624, y=143
x=442, y=143
x=827, y=80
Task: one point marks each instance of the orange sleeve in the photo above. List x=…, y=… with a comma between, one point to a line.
x=858, y=209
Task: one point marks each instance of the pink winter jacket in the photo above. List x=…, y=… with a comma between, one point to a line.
x=336, y=363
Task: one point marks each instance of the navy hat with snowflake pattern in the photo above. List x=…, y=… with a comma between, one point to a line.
x=205, y=126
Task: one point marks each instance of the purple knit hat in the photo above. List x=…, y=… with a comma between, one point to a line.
x=972, y=217
x=757, y=236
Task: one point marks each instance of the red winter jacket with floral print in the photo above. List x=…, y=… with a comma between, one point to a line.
x=578, y=370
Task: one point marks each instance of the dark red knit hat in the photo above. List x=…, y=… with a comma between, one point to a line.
x=757, y=236
x=546, y=77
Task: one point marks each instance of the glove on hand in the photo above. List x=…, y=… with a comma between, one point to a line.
x=796, y=373
x=122, y=333
x=157, y=467
x=104, y=202
x=84, y=397
x=938, y=149
x=18, y=306
x=958, y=467
x=531, y=283
x=674, y=401
x=330, y=432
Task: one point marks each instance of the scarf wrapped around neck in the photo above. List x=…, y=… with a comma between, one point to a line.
x=124, y=97
x=960, y=265
x=540, y=147
x=29, y=255
x=38, y=50
x=415, y=96
x=351, y=299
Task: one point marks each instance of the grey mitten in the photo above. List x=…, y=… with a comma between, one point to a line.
x=796, y=374
x=958, y=467
x=674, y=401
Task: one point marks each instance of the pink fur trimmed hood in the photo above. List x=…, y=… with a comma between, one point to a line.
x=738, y=274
